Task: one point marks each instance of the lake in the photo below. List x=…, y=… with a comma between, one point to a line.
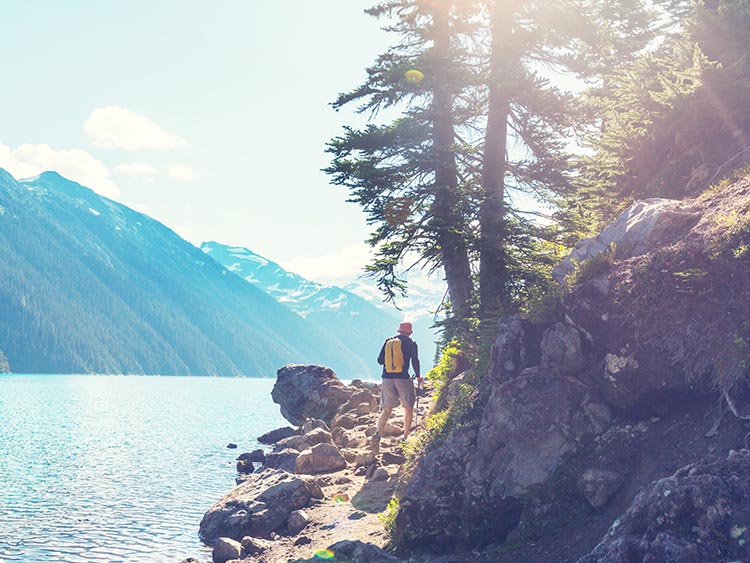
x=109, y=469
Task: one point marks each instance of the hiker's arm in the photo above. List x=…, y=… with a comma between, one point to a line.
x=415, y=361
x=381, y=356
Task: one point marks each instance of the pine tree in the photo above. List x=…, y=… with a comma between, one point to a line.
x=405, y=173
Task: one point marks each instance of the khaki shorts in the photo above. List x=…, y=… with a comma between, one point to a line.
x=394, y=391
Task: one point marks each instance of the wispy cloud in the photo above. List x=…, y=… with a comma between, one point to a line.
x=75, y=164
x=182, y=172
x=341, y=267
x=137, y=170
x=115, y=126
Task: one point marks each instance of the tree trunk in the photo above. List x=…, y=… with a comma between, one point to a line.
x=447, y=218
x=493, y=267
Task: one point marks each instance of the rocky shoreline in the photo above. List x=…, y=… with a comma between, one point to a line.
x=608, y=433
x=318, y=490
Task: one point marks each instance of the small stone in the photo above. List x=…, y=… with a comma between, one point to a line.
x=226, y=549
x=599, y=485
x=190, y=560
x=275, y=435
x=358, y=515
x=231, y=446
x=302, y=540
x=298, y=521
x=380, y=474
x=342, y=480
x=390, y=458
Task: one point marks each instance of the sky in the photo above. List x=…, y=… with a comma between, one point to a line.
x=211, y=117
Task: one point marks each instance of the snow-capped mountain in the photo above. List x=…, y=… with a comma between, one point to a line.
x=89, y=285
x=359, y=324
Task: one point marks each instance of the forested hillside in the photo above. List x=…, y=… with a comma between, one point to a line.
x=89, y=285
x=360, y=325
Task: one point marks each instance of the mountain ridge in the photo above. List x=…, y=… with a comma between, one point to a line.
x=90, y=285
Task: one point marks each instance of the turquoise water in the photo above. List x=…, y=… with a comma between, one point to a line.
x=110, y=469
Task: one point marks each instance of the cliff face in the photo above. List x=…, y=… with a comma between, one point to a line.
x=626, y=391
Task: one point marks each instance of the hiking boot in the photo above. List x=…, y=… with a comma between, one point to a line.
x=375, y=446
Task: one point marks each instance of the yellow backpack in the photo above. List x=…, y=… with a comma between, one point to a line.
x=394, y=356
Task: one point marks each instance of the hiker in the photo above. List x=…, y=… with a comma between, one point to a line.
x=395, y=356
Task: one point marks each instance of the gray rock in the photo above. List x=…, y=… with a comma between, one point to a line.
x=701, y=513
x=298, y=521
x=642, y=226
x=285, y=460
x=318, y=436
x=245, y=461
x=304, y=392
x=190, y=560
x=312, y=423
x=259, y=506
x=298, y=443
x=470, y=491
x=561, y=349
x=274, y=436
x=356, y=402
x=529, y=425
x=226, y=549
x=321, y=458
x=508, y=354
x=380, y=474
x=599, y=485
x=343, y=421
x=253, y=545
x=390, y=458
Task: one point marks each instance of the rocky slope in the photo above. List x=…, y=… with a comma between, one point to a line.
x=612, y=434
x=634, y=381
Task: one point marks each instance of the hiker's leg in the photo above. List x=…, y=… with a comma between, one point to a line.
x=408, y=415
x=384, y=419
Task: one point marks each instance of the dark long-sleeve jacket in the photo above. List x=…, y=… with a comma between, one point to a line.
x=411, y=355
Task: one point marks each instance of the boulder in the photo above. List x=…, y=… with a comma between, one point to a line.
x=701, y=513
x=304, y=391
x=343, y=421
x=226, y=549
x=627, y=370
x=270, y=438
x=599, y=485
x=284, y=460
x=298, y=521
x=529, y=424
x=561, y=349
x=470, y=491
x=312, y=423
x=259, y=506
x=321, y=458
x=380, y=474
x=318, y=436
x=298, y=443
x=245, y=461
x=253, y=545
x=355, y=402
x=642, y=226
x=508, y=354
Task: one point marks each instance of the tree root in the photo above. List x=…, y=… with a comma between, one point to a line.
x=733, y=408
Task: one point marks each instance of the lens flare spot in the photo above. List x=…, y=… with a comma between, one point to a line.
x=414, y=76
x=340, y=497
x=324, y=554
